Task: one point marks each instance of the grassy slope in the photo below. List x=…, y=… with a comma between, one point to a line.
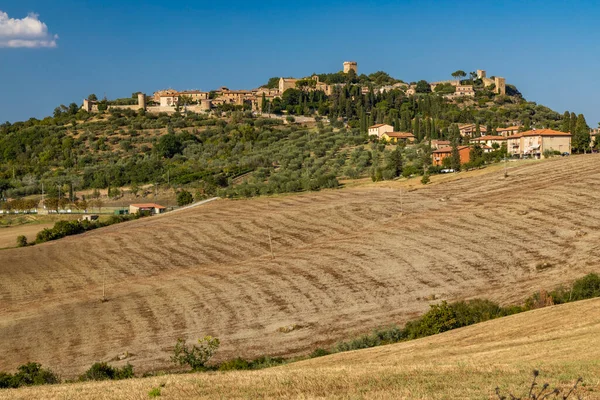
x=563, y=342
x=347, y=261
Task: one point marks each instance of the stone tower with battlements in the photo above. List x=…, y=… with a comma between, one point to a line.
x=500, y=85
x=350, y=65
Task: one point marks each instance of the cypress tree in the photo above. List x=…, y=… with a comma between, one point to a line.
x=581, y=137
x=573, y=123
x=565, y=126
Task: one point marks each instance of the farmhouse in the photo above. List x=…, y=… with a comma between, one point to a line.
x=534, y=143
x=380, y=129
x=439, y=155
x=151, y=208
x=395, y=137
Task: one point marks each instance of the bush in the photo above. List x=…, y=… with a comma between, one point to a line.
x=195, y=356
x=28, y=375
x=184, y=197
x=21, y=241
x=587, y=287
x=235, y=364
x=102, y=371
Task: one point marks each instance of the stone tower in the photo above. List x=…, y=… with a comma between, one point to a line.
x=500, y=85
x=481, y=74
x=350, y=65
x=142, y=101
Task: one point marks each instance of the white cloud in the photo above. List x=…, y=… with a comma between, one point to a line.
x=28, y=32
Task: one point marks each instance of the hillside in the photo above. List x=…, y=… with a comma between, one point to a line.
x=346, y=261
x=562, y=342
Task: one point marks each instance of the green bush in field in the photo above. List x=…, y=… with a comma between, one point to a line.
x=102, y=371
x=29, y=374
x=21, y=241
x=195, y=356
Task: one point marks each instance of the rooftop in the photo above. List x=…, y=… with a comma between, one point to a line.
x=147, y=205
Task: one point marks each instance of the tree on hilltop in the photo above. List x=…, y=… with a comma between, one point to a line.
x=459, y=74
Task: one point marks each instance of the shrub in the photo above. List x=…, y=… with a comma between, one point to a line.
x=28, y=374
x=21, y=241
x=319, y=352
x=155, y=392
x=586, y=288
x=102, y=371
x=184, y=197
x=235, y=364
x=425, y=179
x=196, y=356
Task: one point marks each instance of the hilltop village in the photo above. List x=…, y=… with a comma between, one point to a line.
x=518, y=140
x=170, y=100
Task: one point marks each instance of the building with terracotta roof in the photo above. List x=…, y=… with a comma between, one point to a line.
x=395, y=137
x=535, y=142
x=380, y=129
x=439, y=155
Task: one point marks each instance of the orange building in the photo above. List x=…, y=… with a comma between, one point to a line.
x=445, y=152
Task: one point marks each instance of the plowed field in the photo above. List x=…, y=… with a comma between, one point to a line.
x=345, y=261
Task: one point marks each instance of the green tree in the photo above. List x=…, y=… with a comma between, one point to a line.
x=169, y=145
x=395, y=161
x=196, y=356
x=273, y=83
x=581, y=135
x=565, y=125
x=459, y=74
x=184, y=197
x=423, y=87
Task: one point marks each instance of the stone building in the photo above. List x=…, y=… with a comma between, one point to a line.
x=350, y=65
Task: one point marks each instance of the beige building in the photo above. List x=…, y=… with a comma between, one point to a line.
x=489, y=140
x=509, y=131
x=195, y=95
x=395, y=137
x=471, y=130
x=379, y=129
x=438, y=144
x=534, y=143
x=151, y=208
x=287, y=83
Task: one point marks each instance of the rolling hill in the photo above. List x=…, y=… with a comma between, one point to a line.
x=345, y=261
x=562, y=342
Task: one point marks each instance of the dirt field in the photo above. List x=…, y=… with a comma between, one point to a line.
x=8, y=235
x=562, y=342
x=346, y=261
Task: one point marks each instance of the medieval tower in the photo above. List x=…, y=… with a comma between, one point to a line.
x=142, y=101
x=500, y=85
x=350, y=65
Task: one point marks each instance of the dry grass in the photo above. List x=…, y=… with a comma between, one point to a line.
x=563, y=342
x=346, y=261
x=8, y=235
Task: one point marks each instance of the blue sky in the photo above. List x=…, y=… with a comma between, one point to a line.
x=548, y=49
